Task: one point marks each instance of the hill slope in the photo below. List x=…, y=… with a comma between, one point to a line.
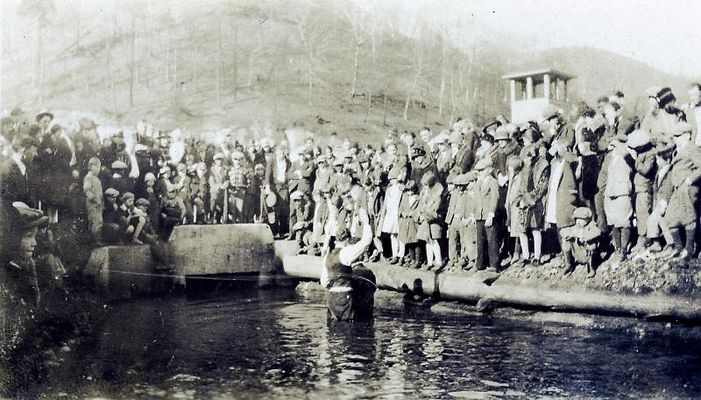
x=313, y=64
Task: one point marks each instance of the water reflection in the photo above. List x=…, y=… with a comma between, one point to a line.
x=281, y=345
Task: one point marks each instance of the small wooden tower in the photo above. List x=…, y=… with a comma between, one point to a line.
x=532, y=91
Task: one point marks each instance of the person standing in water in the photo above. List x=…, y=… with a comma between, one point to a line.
x=351, y=287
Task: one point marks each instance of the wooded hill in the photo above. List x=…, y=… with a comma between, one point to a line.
x=326, y=66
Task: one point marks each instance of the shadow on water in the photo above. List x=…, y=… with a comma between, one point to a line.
x=234, y=341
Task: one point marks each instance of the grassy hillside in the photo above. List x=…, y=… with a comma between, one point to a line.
x=320, y=65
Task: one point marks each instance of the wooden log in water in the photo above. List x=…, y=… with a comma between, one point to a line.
x=489, y=288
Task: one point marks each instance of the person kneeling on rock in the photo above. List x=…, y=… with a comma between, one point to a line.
x=580, y=242
x=351, y=288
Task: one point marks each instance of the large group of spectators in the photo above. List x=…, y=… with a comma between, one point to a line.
x=593, y=184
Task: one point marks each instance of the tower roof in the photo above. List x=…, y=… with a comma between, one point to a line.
x=537, y=75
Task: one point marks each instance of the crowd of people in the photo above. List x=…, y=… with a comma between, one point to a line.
x=592, y=184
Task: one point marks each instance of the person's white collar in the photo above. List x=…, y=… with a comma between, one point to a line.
x=17, y=158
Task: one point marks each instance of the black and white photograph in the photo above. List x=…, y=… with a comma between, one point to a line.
x=350, y=199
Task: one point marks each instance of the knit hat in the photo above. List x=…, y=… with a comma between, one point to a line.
x=665, y=96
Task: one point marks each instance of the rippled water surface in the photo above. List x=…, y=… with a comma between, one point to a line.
x=269, y=345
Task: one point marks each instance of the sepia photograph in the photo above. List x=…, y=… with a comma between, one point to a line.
x=350, y=199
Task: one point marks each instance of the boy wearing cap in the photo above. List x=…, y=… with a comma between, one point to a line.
x=301, y=213
x=233, y=191
x=172, y=211
x=113, y=220
x=217, y=176
x=618, y=202
x=94, y=200
x=580, y=242
x=119, y=180
x=680, y=217
x=484, y=212
x=198, y=193
x=645, y=171
x=136, y=218
x=454, y=219
x=20, y=294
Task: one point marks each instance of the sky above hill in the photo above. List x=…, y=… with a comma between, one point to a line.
x=664, y=34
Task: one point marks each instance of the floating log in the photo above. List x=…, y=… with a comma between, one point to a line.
x=488, y=288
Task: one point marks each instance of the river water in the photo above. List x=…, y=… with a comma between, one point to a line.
x=250, y=344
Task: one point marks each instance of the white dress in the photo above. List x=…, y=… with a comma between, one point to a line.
x=393, y=196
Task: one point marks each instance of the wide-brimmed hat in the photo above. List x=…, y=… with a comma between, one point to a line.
x=118, y=164
x=44, y=113
x=483, y=163
x=638, y=138
x=462, y=180
x=502, y=133
x=550, y=112
x=455, y=137
x=491, y=123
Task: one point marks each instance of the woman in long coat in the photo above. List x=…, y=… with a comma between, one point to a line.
x=430, y=229
x=536, y=174
x=389, y=216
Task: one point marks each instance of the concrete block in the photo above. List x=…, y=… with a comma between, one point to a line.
x=222, y=249
x=121, y=271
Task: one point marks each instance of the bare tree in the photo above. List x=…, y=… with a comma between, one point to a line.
x=359, y=31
